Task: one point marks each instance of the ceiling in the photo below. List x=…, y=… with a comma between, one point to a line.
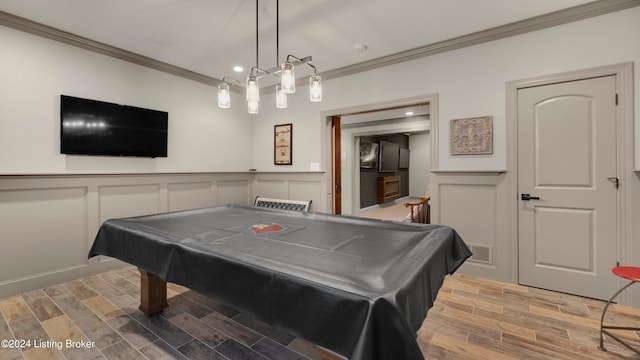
x=210, y=37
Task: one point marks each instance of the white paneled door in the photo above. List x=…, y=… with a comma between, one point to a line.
x=567, y=183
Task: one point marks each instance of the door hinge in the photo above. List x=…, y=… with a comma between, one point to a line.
x=616, y=99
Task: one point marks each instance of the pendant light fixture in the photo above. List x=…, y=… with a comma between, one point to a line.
x=253, y=91
x=315, y=88
x=252, y=107
x=224, y=96
x=281, y=98
x=285, y=72
x=288, y=78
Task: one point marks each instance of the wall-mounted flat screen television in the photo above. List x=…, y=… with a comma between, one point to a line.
x=389, y=156
x=91, y=127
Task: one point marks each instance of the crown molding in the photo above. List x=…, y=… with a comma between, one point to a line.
x=45, y=31
x=580, y=12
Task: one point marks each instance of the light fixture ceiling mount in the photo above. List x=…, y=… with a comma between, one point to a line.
x=285, y=73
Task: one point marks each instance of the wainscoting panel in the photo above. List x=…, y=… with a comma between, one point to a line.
x=275, y=189
x=43, y=230
x=471, y=210
x=307, y=190
x=189, y=195
x=233, y=192
x=476, y=205
x=295, y=186
x=128, y=200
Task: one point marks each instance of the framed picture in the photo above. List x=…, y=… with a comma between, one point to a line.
x=368, y=155
x=472, y=136
x=282, y=144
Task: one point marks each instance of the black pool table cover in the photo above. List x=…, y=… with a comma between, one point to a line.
x=357, y=286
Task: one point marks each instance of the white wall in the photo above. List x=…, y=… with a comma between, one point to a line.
x=36, y=71
x=419, y=163
x=469, y=81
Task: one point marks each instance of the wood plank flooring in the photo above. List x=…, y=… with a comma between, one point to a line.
x=480, y=319
x=472, y=319
x=395, y=211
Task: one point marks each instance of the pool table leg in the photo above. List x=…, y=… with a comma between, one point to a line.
x=153, y=293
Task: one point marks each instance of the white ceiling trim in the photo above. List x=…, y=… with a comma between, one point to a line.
x=560, y=17
x=568, y=15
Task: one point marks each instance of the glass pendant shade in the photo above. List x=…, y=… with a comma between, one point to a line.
x=253, y=93
x=281, y=98
x=252, y=107
x=315, y=88
x=224, y=97
x=288, y=78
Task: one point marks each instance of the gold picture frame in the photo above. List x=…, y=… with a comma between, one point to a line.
x=472, y=136
x=282, y=144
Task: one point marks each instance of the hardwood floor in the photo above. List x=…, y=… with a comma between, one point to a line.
x=395, y=211
x=480, y=319
x=101, y=310
x=472, y=319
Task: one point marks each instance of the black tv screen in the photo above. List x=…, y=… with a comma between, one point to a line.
x=389, y=156
x=91, y=127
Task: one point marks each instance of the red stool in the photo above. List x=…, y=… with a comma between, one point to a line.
x=626, y=272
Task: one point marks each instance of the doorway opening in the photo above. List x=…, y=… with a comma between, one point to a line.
x=347, y=128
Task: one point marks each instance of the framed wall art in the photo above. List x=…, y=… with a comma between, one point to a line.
x=472, y=136
x=368, y=155
x=282, y=144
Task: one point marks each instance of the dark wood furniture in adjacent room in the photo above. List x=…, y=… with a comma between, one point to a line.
x=420, y=209
x=388, y=188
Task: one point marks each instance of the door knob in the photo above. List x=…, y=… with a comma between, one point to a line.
x=528, y=197
x=616, y=179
